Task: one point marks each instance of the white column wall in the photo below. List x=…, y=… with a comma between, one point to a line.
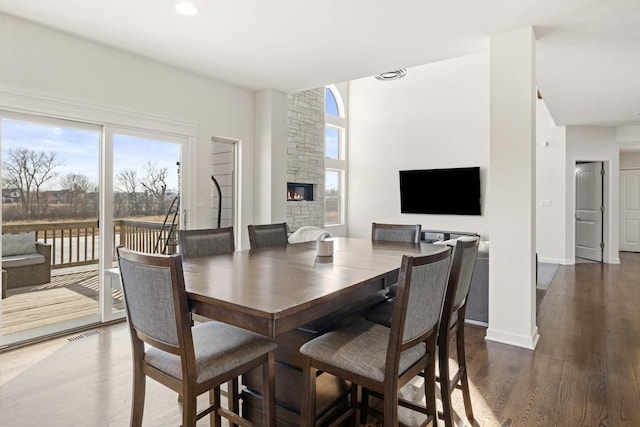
x=270, y=157
x=512, y=301
x=551, y=209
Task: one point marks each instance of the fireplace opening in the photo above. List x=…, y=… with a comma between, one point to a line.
x=297, y=192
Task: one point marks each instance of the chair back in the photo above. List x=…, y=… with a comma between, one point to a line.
x=263, y=236
x=155, y=300
x=468, y=248
x=463, y=262
x=408, y=233
x=418, y=305
x=206, y=242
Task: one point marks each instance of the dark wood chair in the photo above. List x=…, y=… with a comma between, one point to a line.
x=189, y=360
x=206, y=242
x=403, y=233
x=383, y=359
x=209, y=242
x=266, y=235
x=452, y=326
x=408, y=233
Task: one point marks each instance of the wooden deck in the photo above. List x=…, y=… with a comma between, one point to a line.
x=72, y=293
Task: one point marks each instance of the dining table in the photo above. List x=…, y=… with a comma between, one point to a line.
x=291, y=294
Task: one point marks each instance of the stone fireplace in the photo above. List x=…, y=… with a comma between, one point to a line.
x=305, y=158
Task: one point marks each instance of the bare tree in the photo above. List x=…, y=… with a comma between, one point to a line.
x=127, y=183
x=155, y=184
x=28, y=171
x=77, y=188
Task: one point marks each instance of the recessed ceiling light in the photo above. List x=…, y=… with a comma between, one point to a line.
x=392, y=75
x=186, y=8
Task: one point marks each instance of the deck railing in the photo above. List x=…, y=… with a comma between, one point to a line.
x=76, y=243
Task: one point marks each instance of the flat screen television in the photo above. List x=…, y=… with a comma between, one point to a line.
x=454, y=191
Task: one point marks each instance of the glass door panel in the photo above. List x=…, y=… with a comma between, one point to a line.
x=144, y=209
x=50, y=202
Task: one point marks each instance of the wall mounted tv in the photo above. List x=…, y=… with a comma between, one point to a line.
x=454, y=191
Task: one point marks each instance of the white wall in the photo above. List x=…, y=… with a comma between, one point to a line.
x=550, y=197
x=270, y=180
x=594, y=143
x=39, y=60
x=436, y=117
x=630, y=160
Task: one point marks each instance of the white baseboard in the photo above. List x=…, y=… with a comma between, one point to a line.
x=476, y=322
x=504, y=337
x=561, y=261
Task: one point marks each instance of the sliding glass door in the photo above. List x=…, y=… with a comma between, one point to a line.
x=71, y=193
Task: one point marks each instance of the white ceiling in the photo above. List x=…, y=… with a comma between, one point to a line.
x=588, y=51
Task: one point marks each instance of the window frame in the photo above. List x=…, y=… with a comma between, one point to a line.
x=340, y=164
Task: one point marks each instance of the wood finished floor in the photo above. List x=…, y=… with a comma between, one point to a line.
x=585, y=370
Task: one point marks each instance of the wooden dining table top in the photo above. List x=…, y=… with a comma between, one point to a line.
x=274, y=290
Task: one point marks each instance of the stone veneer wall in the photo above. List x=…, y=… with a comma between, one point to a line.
x=305, y=155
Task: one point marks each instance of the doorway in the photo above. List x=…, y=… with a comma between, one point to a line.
x=630, y=210
x=224, y=163
x=589, y=211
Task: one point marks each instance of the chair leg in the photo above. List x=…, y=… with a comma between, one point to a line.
x=445, y=385
x=354, y=405
x=430, y=388
x=233, y=397
x=364, y=406
x=269, y=392
x=308, y=409
x=215, y=401
x=137, y=399
x=390, y=404
x=464, y=380
x=189, y=410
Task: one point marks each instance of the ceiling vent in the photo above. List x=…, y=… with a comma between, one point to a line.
x=392, y=75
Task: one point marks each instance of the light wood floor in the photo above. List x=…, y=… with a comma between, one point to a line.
x=585, y=370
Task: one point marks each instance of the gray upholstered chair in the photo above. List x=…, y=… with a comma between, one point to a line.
x=188, y=360
x=452, y=325
x=206, y=242
x=263, y=236
x=384, y=359
x=408, y=233
x=402, y=233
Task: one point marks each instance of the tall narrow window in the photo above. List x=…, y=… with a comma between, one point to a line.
x=335, y=157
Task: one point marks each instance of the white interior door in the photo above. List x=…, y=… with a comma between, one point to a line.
x=589, y=211
x=630, y=210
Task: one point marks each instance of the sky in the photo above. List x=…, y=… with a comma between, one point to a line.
x=79, y=150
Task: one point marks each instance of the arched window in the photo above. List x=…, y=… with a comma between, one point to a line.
x=331, y=105
x=335, y=156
